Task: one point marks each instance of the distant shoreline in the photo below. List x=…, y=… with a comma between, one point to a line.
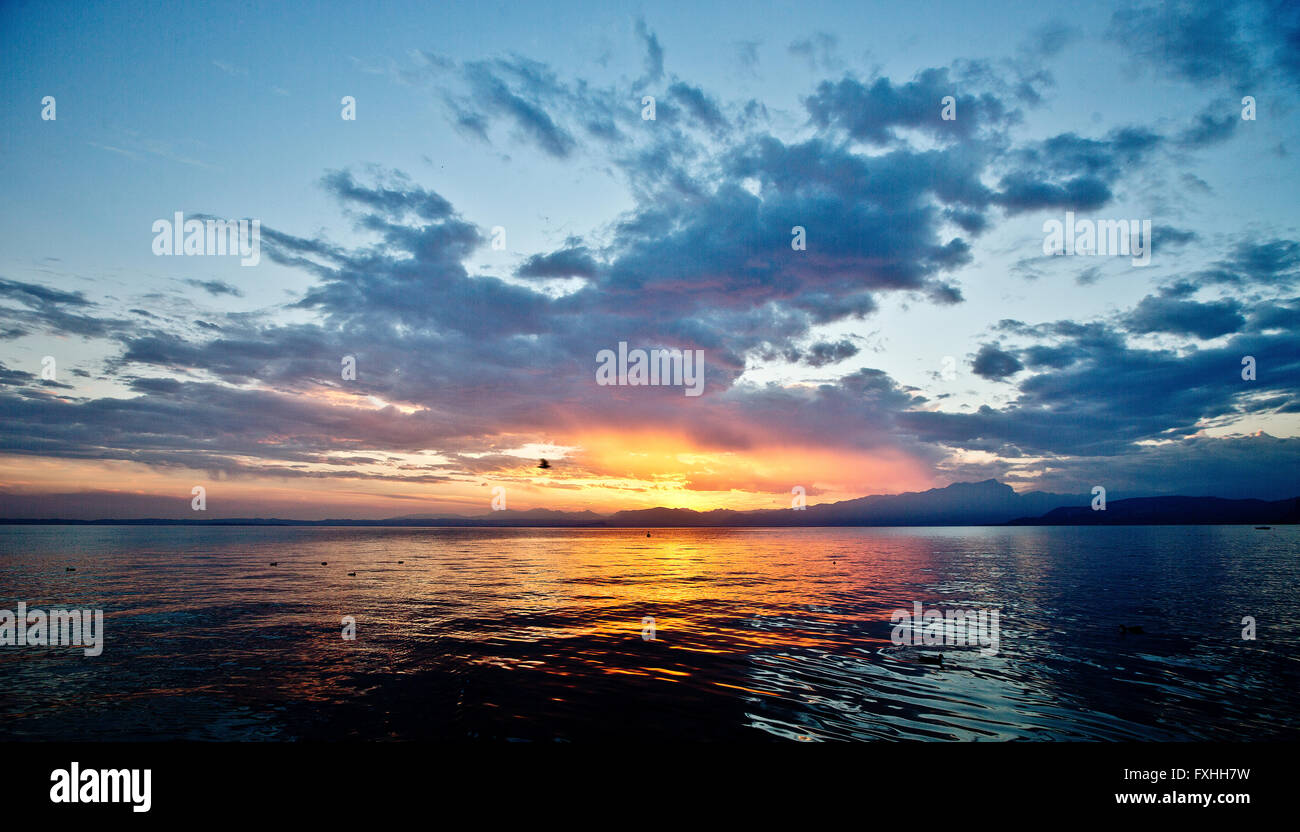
x=984, y=504
x=347, y=524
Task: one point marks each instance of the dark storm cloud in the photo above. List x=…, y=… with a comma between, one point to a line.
x=1176, y=237
x=1276, y=315
x=995, y=364
x=818, y=354
x=202, y=426
x=547, y=112
x=422, y=330
x=872, y=112
x=1069, y=171
x=10, y=377
x=526, y=113
x=827, y=352
x=1104, y=394
x=1040, y=357
x=1260, y=467
x=869, y=226
x=572, y=262
x=1022, y=193
x=699, y=105
x=1157, y=313
x=1211, y=127
x=1236, y=43
x=283, y=355
x=50, y=310
x=1265, y=264
x=33, y=295
x=1284, y=25
x=701, y=259
x=1194, y=41
x=1074, y=155
x=393, y=199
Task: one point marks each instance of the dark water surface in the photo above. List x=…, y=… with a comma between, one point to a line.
x=760, y=633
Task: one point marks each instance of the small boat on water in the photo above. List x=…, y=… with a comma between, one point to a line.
x=1262, y=528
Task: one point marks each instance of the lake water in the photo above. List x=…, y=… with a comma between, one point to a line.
x=537, y=634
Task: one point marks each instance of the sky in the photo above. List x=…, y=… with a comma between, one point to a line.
x=857, y=259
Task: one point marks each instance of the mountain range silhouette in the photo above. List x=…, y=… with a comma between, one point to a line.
x=986, y=503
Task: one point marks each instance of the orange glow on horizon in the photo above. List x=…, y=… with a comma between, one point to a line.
x=605, y=472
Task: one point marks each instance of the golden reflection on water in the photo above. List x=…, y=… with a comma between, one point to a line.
x=758, y=632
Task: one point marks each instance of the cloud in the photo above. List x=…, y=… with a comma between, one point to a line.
x=891, y=199
x=1050, y=39
x=818, y=51
x=1103, y=394
x=995, y=364
x=654, y=54
x=873, y=113
x=820, y=353
x=1213, y=126
x=701, y=107
x=392, y=200
x=496, y=96
x=1239, y=44
x=571, y=262
x=12, y=378
x=1258, y=466
x=1157, y=313
x=1196, y=42
x=50, y=310
x=747, y=57
x=1256, y=264
x=216, y=288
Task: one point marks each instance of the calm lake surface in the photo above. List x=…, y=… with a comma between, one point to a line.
x=760, y=634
